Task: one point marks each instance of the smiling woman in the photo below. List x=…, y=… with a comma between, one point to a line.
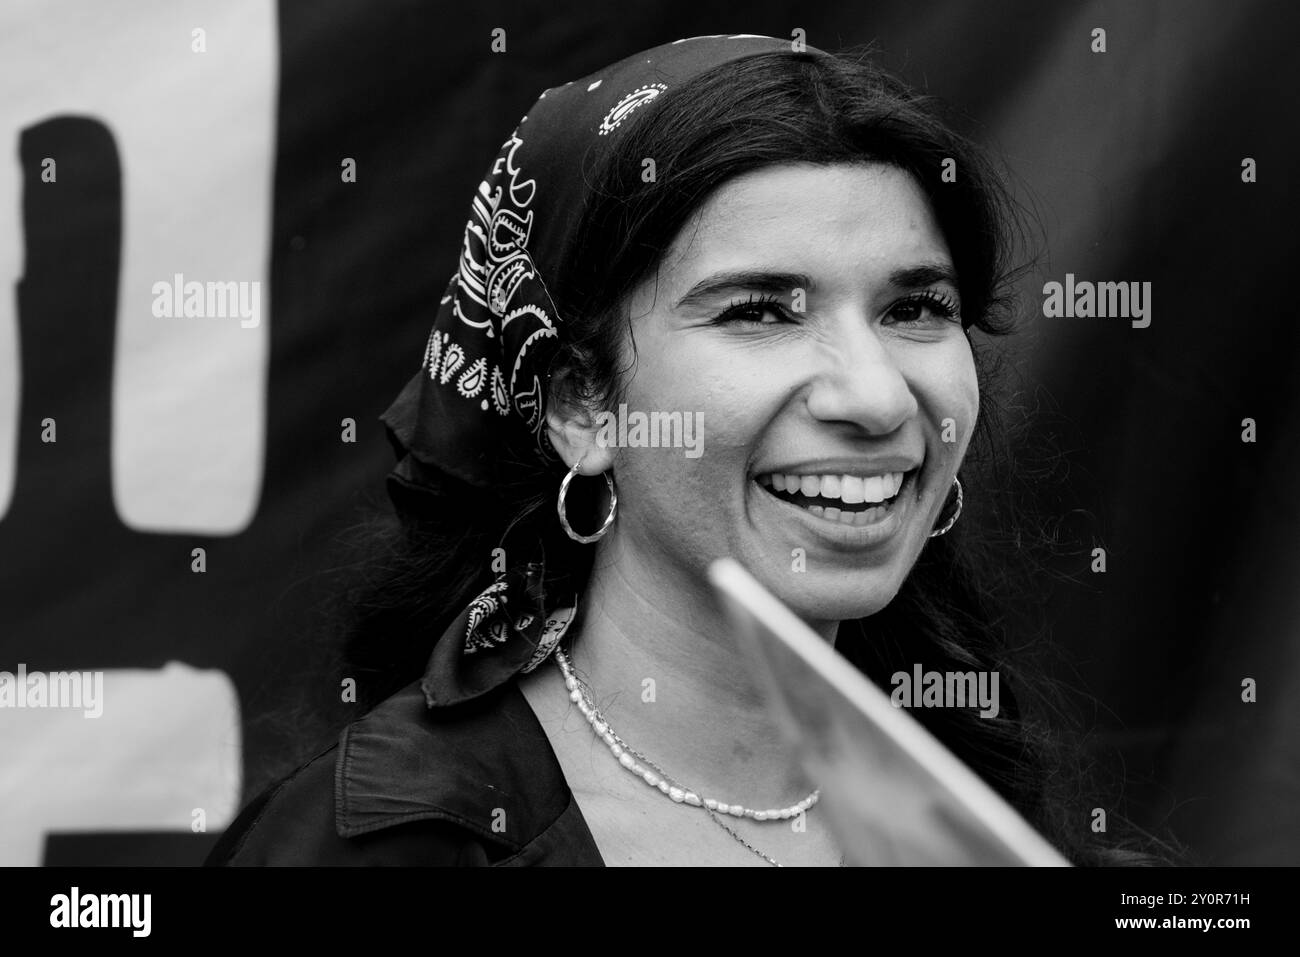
x=825, y=425
x=760, y=239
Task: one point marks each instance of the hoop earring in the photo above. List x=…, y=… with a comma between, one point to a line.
x=952, y=521
x=564, y=520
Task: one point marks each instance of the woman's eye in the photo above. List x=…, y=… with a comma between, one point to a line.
x=761, y=312
x=932, y=306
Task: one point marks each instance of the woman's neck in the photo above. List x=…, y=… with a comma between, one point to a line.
x=664, y=667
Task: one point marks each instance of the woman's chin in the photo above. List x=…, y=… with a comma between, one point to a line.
x=817, y=603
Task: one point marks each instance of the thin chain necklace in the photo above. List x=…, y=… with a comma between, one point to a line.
x=653, y=775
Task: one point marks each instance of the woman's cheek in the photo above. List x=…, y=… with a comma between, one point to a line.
x=727, y=385
x=954, y=388
x=972, y=391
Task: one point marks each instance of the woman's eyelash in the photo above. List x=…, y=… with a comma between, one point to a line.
x=752, y=309
x=946, y=306
x=756, y=306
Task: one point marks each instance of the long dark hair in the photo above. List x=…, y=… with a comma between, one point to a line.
x=963, y=606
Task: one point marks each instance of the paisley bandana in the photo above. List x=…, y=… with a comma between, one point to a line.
x=503, y=632
x=483, y=373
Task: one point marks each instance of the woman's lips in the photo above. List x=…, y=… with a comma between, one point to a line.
x=854, y=524
x=835, y=510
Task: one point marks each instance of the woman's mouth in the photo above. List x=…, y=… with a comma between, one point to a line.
x=853, y=500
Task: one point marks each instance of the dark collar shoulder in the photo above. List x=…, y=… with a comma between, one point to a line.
x=486, y=766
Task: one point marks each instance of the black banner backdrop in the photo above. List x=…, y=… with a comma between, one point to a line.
x=1133, y=158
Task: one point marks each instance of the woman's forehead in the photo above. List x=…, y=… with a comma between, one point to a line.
x=812, y=220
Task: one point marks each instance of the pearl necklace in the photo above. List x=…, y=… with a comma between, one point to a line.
x=654, y=776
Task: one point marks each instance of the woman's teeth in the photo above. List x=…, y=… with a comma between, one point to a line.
x=848, y=499
x=849, y=489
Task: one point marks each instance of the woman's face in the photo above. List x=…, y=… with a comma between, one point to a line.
x=807, y=407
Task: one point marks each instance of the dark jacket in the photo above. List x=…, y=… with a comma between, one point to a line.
x=410, y=785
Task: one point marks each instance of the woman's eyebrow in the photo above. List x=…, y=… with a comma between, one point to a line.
x=747, y=280
x=924, y=274
x=775, y=282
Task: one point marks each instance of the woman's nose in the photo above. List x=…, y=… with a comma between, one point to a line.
x=859, y=381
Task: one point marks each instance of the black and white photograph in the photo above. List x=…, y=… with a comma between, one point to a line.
x=654, y=434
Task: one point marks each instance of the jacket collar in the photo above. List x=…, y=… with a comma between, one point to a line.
x=486, y=766
x=462, y=744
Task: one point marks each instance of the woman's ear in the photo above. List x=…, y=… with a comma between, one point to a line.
x=575, y=430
